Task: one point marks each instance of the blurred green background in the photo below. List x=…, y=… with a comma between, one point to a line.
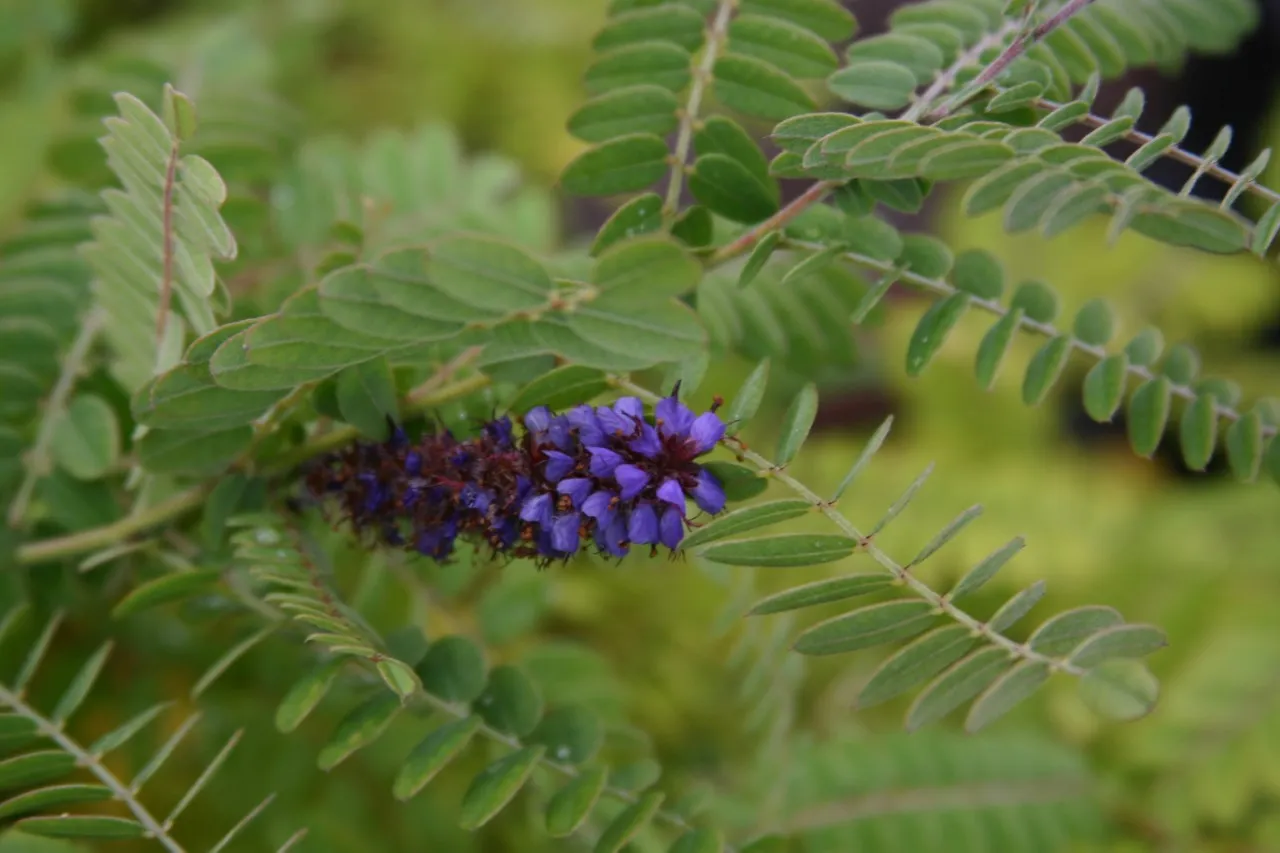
x=1198, y=554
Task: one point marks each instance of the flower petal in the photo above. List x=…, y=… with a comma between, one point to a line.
x=671, y=492
x=558, y=465
x=603, y=461
x=708, y=494
x=706, y=431
x=642, y=526
x=674, y=418
x=671, y=528
x=631, y=480
x=647, y=444
x=537, y=509
x=537, y=419
x=584, y=420
x=629, y=408
x=564, y=533
x=600, y=507
x=577, y=488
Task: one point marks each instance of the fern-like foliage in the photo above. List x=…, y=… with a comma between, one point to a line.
x=40, y=752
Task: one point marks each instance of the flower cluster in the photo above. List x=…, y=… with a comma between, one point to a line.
x=605, y=476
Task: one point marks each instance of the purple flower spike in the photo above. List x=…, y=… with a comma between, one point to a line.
x=706, y=431
x=537, y=509
x=558, y=464
x=559, y=433
x=642, y=527
x=613, y=423
x=648, y=444
x=629, y=408
x=674, y=418
x=564, y=533
x=603, y=461
x=671, y=528
x=413, y=463
x=631, y=480
x=577, y=488
x=537, y=419
x=671, y=492
x=611, y=540
x=583, y=419
x=708, y=494
x=599, y=506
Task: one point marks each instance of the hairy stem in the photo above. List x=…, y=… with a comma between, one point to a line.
x=747, y=240
x=37, y=462
x=684, y=136
x=85, y=759
x=946, y=78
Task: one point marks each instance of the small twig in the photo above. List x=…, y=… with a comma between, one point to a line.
x=166, y=275
x=798, y=206
x=37, y=461
x=684, y=137
x=95, y=766
x=1020, y=45
x=947, y=77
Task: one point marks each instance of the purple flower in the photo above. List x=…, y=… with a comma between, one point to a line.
x=603, y=461
x=613, y=423
x=631, y=480
x=671, y=492
x=674, y=418
x=707, y=429
x=708, y=494
x=671, y=528
x=499, y=431
x=629, y=408
x=537, y=419
x=413, y=463
x=647, y=444
x=612, y=539
x=583, y=419
x=558, y=464
x=537, y=509
x=474, y=497
x=642, y=526
x=600, y=507
x=577, y=488
x=564, y=533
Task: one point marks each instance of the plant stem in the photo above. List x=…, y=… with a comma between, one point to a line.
x=91, y=762
x=947, y=78
x=744, y=242
x=37, y=463
x=684, y=137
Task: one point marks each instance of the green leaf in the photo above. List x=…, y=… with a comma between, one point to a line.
x=1181, y=364
x=1148, y=414
x=1244, y=446
x=488, y=273
x=798, y=134
x=179, y=113
x=397, y=675
x=1073, y=207
x=1095, y=323
x=366, y=395
x=1033, y=198
x=511, y=702
x=699, y=841
x=1016, y=607
x=758, y=89
x=86, y=438
x=946, y=534
x=453, y=669
x=80, y=685
x=1194, y=224
x=432, y=754
x=1037, y=300
x=657, y=63
x=907, y=195
x=874, y=294
x=694, y=227
x=655, y=333
x=965, y=160
x=1104, y=387
x=621, y=165
x=122, y=733
x=918, y=55
x=821, y=592
x=728, y=188
x=785, y=550
x=739, y=483
x=796, y=424
x=305, y=695
x=570, y=806
x=984, y=571
x=641, y=215
x=672, y=23
x=745, y=519
x=1022, y=95
x=43, y=799
x=742, y=408
x=1145, y=347
x=572, y=734
x=720, y=135
x=874, y=84
x=919, y=660
x=1120, y=690
x=1044, y=369
x=565, y=386
x=1199, y=432
x=932, y=330
x=165, y=451
x=623, y=828
x=814, y=263
x=496, y=785
x=869, y=235
x=759, y=257
x=635, y=109
x=35, y=768
x=994, y=347
x=1007, y=691
x=788, y=47
x=821, y=17
x=1121, y=641
x=164, y=590
x=1060, y=634
x=359, y=728
x=868, y=626
x=993, y=190
x=187, y=398
x=72, y=826
x=979, y=272
x=958, y=684
x=869, y=450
